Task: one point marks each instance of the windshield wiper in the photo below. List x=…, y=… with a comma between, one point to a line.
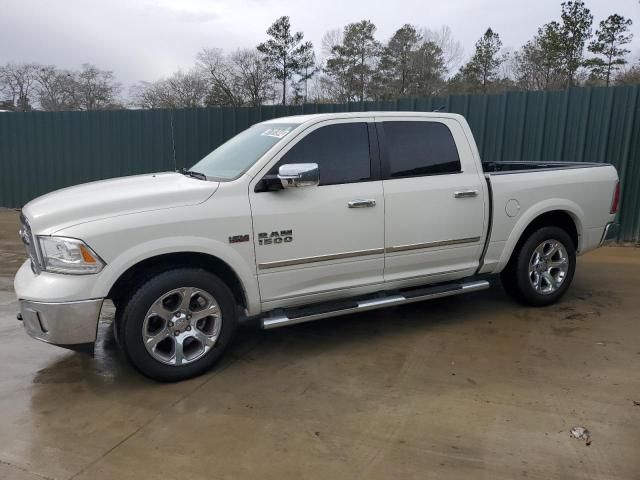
x=189, y=173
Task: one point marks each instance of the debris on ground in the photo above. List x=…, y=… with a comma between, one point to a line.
x=581, y=433
x=636, y=403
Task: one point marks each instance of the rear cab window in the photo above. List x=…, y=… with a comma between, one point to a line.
x=418, y=148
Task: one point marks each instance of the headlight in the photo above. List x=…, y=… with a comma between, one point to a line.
x=68, y=255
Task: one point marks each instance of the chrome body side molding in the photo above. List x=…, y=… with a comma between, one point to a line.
x=319, y=258
x=441, y=243
x=359, y=253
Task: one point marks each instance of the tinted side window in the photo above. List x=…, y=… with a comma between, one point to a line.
x=420, y=148
x=341, y=152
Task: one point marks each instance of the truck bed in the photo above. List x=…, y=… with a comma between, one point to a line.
x=518, y=197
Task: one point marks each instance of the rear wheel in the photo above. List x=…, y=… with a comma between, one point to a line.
x=542, y=269
x=177, y=324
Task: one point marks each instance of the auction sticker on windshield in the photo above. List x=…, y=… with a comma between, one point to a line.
x=276, y=132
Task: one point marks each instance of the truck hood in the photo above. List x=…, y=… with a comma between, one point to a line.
x=119, y=196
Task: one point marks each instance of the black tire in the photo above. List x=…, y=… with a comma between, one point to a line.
x=133, y=311
x=516, y=278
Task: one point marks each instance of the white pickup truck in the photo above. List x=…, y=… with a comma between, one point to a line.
x=297, y=219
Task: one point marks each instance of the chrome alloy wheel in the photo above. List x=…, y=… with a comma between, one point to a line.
x=548, y=266
x=182, y=326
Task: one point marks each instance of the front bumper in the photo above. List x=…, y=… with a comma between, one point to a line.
x=610, y=233
x=65, y=323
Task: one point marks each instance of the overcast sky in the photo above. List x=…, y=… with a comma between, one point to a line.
x=148, y=39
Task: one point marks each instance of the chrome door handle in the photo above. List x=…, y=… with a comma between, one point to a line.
x=361, y=203
x=466, y=194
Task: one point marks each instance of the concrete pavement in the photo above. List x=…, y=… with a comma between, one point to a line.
x=467, y=387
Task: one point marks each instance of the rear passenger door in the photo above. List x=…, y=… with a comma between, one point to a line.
x=334, y=232
x=434, y=208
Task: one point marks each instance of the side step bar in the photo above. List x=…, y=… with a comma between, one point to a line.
x=308, y=314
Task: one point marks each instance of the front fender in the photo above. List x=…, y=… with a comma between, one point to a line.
x=178, y=244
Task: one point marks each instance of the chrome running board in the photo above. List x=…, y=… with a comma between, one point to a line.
x=317, y=312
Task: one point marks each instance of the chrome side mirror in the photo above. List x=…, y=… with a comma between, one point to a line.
x=295, y=175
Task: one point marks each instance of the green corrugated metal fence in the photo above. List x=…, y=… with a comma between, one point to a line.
x=44, y=151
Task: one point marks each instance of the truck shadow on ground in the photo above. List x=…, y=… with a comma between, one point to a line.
x=109, y=366
x=109, y=369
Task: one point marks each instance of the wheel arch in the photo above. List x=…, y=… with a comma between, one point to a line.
x=149, y=266
x=569, y=219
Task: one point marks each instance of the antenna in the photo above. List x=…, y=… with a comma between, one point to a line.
x=440, y=108
x=173, y=141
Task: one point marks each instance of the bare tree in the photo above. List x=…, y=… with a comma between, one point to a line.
x=221, y=77
x=180, y=90
x=96, y=89
x=18, y=84
x=451, y=48
x=254, y=77
x=238, y=79
x=330, y=40
x=56, y=89
x=325, y=87
x=149, y=95
x=629, y=76
x=188, y=89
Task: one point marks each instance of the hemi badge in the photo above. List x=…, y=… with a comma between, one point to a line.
x=239, y=238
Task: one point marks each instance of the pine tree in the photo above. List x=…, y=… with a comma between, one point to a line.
x=352, y=62
x=484, y=67
x=396, y=62
x=284, y=52
x=428, y=70
x=538, y=64
x=575, y=30
x=306, y=70
x=609, y=44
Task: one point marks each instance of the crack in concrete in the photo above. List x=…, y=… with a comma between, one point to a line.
x=25, y=470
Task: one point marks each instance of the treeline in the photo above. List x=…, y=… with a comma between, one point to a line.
x=351, y=65
x=29, y=86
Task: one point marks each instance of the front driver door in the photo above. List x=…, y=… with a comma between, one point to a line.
x=314, y=243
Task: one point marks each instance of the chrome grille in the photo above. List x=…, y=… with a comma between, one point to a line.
x=29, y=243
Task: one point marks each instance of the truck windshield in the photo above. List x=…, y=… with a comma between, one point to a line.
x=234, y=157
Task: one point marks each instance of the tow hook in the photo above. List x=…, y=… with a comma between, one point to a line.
x=19, y=317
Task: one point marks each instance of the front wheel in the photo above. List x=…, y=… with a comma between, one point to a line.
x=542, y=269
x=177, y=324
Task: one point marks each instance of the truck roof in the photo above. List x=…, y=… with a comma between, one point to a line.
x=300, y=119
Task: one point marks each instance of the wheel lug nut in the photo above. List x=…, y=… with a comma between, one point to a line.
x=176, y=333
x=188, y=328
x=171, y=324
